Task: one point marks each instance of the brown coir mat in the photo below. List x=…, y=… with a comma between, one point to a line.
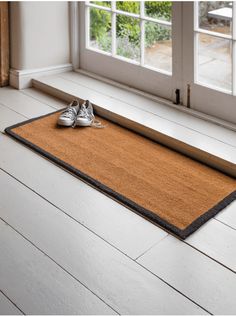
x=166, y=187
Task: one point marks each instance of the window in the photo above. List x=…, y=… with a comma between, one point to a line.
x=161, y=46
x=131, y=42
x=138, y=32
x=215, y=44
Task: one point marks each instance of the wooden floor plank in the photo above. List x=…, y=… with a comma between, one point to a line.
x=6, y=306
x=9, y=117
x=37, y=285
x=118, y=280
x=23, y=104
x=200, y=278
x=57, y=104
x=228, y=215
x=217, y=241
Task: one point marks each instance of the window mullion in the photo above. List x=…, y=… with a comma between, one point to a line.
x=234, y=49
x=113, y=27
x=142, y=30
x=87, y=26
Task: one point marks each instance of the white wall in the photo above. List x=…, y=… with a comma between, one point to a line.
x=39, y=33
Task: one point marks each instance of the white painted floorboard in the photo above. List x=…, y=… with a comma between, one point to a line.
x=217, y=241
x=6, y=306
x=111, y=225
x=118, y=280
x=23, y=104
x=9, y=117
x=200, y=278
x=228, y=215
x=44, y=98
x=39, y=286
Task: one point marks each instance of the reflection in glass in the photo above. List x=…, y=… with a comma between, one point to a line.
x=214, y=61
x=215, y=16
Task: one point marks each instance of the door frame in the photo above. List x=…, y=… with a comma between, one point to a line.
x=202, y=98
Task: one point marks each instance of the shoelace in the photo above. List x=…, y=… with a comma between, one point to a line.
x=97, y=124
x=84, y=113
x=69, y=112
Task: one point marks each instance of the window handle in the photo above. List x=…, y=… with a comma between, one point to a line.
x=177, y=96
x=188, y=95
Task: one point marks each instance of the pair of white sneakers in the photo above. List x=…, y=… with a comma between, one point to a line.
x=78, y=115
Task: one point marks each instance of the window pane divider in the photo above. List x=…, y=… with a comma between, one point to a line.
x=149, y=19
x=113, y=28
x=221, y=35
x=92, y=5
x=142, y=30
x=113, y=11
x=87, y=27
x=234, y=49
x=132, y=15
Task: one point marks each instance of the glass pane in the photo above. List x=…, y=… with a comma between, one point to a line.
x=128, y=6
x=100, y=29
x=214, y=61
x=158, y=46
x=102, y=3
x=215, y=16
x=128, y=37
x=160, y=10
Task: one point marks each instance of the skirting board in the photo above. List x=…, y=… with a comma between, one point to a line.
x=22, y=79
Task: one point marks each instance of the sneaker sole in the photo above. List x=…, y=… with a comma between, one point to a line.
x=65, y=123
x=83, y=124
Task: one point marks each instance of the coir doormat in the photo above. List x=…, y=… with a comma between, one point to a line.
x=166, y=187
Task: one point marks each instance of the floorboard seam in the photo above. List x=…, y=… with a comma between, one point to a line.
x=7, y=107
x=219, y=220
x=220, y=263
x=154, y=245
x=10, y=300
x=43, y=102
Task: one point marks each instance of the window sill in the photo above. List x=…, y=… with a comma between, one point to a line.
x=196, y=137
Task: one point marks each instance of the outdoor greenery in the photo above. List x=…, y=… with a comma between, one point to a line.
x=128, y=28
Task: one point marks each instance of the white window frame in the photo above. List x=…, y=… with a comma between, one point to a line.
x=203, y=99
x=131, y=73
x=114, y=13
x=206, y=99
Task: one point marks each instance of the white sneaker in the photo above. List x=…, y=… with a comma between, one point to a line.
x=68, y=116
x=85, y=116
